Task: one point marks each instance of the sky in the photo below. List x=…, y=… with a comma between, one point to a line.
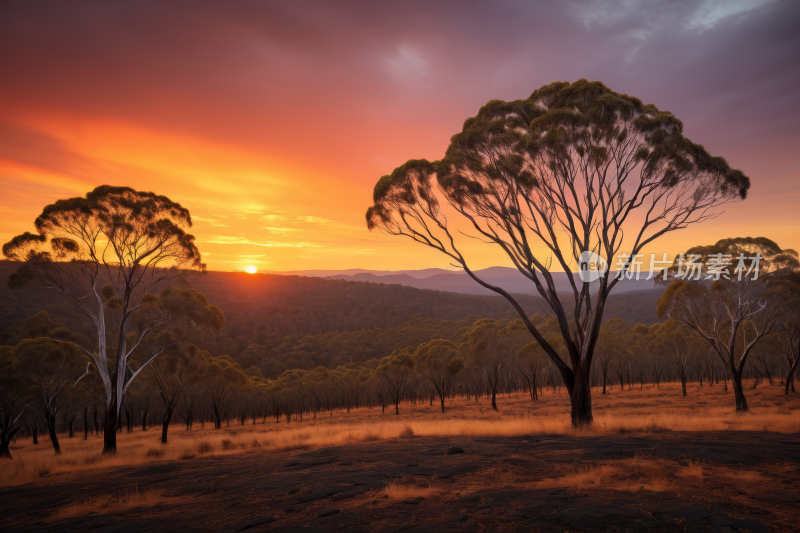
x=272, y=121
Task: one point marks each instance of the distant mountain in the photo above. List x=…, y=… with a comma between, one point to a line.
x=509, y=279
x=332, y=274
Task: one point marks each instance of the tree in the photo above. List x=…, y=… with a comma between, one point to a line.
x=784, y=290
x=173, y=374
x=680, y=358
x=220, y=375
x=439, y=361
x=53, y=369
x=492, y=345
x=130, y=240
x=609, y=344
x=724, y=301
x=12, y=394
x=394, y=376
x=792, y=352
x=575, y=160
x=531, y=360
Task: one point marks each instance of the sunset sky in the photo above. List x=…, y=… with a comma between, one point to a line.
x=272, y=121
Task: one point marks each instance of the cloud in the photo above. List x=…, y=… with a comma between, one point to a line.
x=209, y=221
x=280, y=229
x=261, y=112
x=225, y=239
x=312, y=219
x=406, y=63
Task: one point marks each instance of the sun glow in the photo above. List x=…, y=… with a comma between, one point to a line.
x=251, y=269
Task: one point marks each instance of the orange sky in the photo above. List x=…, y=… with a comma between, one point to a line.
x=272, y=124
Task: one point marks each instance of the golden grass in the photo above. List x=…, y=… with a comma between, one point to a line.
x=631, y=475
x=407, y=432
x=110, y=505
x=651, y=410
x=402, y=492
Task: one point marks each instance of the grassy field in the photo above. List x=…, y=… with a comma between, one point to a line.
x=650, y=410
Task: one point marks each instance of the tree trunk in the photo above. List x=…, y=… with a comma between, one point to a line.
x=683, y=385
x=604, y=383
x=51, y=427
x=738, y=392
x=85, y=423
x=790, y=377
x=110, y=428
x=5, y=441
x=580, y=397
x=35, y=433
x=4, y=451
x=165, y=426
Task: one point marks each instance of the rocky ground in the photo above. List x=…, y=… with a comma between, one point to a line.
x=750, y=483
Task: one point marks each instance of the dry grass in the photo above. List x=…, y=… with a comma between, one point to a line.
x=110, y=505
x=693, y=469
x=630, y=475
x=155, y=452
x=402, y=492
x=407, y=432
x=651, y=410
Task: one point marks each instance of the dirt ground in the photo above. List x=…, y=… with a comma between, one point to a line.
x=669, y=481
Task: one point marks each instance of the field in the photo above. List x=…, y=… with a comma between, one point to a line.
x=654, y=460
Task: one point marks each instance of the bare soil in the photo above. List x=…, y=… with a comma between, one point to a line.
x=750, y=482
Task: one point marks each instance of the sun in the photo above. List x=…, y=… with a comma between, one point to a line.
x=251, y=269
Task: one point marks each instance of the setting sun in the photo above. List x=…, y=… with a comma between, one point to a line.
x=251, y=269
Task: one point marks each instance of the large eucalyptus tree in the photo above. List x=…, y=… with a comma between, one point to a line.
x=104, y=251
x=573, y=168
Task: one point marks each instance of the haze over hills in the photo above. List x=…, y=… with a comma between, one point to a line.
x=509, y=279
x=265, y=309
x=333, y=274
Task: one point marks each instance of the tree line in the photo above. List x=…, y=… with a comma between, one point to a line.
x=489, y=359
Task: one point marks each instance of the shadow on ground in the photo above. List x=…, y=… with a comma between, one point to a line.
x=489, y=487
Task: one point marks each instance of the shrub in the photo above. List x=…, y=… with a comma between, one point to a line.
x=154, y=452
x=407, y=433
x=227, y=444
x=92, y=459
x=370, y=437
x=204, y=447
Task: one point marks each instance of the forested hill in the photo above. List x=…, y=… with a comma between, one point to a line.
x=263, y=309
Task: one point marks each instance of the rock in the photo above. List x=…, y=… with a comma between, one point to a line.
x=461, y=517
x=261, y=520
x=293, y=491
x=328, y=512
x=454, y=450
x=320, y=494
x=414, y=501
